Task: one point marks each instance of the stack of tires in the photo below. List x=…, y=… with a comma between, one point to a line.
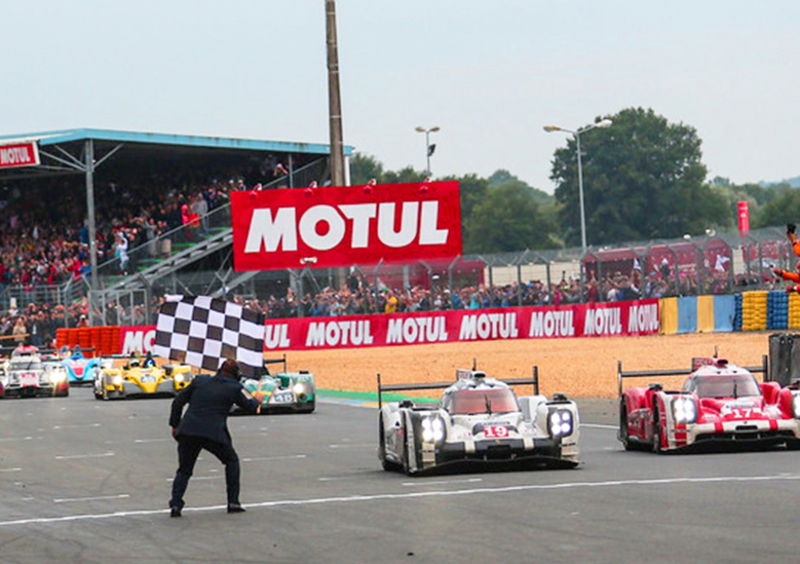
x=794, y=311
x=777, y=310
x=737, y=317
x=754, y=311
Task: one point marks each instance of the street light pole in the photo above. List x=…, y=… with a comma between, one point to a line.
x=577, y=133
x=580, y=192
x=427, y=133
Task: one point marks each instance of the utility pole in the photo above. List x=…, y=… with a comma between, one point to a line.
x=334, y=99
x=334, y=111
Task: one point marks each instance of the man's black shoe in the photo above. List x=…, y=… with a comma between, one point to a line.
x=235, y=508
x=174, y=511
x=791, y=228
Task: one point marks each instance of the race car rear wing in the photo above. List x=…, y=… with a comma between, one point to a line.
x=763, y=369
x=276, y=361
x=533, y=381
x=6, y=350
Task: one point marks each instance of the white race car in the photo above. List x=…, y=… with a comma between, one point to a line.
x=25, y=375
x=478, y=420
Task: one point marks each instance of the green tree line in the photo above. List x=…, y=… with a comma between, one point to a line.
x=648, y=181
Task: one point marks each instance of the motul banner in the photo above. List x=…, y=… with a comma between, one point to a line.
x=137, y=339
x=636, y=317
x=345, y=225
x=19, y=154
x=639, y=317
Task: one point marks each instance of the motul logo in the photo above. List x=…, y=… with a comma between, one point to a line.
x=345, y=225
x=323, y=227
x=137, y=339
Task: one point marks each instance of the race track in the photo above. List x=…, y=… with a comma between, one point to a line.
x=87, y=481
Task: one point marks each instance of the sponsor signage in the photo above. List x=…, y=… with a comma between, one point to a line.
x=137, y=338
x=743, y=214
x=637, y=317
x=19, y=154
x=345, y=225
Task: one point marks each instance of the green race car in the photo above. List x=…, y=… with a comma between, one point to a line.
x=284, y=391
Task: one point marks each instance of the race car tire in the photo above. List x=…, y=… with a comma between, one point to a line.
x=406, y=463
x=387, y=465
x=623, y=427
x=406, y=455
x=656, y=431
x=308, y=407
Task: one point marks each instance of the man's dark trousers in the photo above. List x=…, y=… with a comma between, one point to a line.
x=189, y=448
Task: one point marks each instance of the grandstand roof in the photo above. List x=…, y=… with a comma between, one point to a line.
x=44, y=138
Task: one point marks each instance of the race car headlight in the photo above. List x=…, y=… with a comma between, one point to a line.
x=179, y=377
x=796, y=406
x=298, y=388
x=684, y=410
x=561, y=423
x=432, y=429
x=117, y=380
x=58, y=375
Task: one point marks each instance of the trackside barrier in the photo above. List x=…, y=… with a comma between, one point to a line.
x=103, y=340
x=747, y=311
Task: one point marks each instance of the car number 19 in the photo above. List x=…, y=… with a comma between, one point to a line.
x=495, y=431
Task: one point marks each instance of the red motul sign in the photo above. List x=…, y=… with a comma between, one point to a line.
x=345, y=225
x=19, y=154
x=606, y=319
x=744, y=218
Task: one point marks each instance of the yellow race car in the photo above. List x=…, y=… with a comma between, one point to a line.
x=139, y=379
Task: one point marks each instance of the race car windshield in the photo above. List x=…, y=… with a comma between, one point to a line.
x=473, y=402
x=727, y=387
x=26, y=365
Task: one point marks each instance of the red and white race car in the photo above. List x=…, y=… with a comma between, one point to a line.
x=719, y=405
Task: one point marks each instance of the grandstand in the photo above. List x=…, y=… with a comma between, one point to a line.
x=103, y=213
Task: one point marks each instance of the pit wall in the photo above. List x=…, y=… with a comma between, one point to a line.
x=746, y=311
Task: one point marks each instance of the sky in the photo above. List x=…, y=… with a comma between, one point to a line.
x=490, y=74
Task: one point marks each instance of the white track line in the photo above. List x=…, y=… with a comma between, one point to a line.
x=68, y=499
x=286, y=457
x=410, y=495
x=75, y=456
x=437, y=482
x=348, y=445
x=152, y=440
x=76, y=426
x=598, y=426
x=9, y=439
x=10, y=469
x=193, y=478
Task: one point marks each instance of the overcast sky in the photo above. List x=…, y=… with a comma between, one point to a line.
x=489, y=73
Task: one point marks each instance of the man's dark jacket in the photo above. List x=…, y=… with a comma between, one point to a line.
x=210, y=399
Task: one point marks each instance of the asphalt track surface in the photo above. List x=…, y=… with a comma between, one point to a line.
x=88, y=481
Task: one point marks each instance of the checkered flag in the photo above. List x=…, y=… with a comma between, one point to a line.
x=203, y=332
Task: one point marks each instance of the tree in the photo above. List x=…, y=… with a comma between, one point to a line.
x=363, y=168
x=508, y=218
x=502, y=176
x=643, y=179
x=783, y=208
